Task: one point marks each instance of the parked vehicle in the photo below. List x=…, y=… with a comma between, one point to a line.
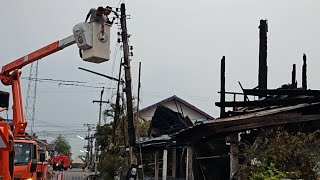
x=61, y=162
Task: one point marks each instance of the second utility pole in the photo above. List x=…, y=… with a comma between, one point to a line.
x=100, y=104
x=96, y=147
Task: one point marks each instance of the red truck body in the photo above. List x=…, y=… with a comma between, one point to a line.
x=62, y=160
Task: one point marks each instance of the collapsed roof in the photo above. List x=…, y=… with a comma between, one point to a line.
x=166, y=121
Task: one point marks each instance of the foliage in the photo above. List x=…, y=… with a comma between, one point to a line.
x=143, y=127
x=62, y=146
x=103, y=135
x=110, y=165
x=280, y=154
x=263, y=171
x=114, y=156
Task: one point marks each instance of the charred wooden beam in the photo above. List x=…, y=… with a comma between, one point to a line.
x=263, y=68
x=304, y=72
x=245, y=96
x=211, y=157
x=223, y=87
x=272, y=120
x=293, y=80
x=269, y=102
x=233, y=93
x=291, y=92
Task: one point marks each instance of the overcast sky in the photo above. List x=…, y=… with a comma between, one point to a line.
x=179, y=42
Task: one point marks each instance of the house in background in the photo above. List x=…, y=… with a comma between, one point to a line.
x=166, y=118
x=178, y=105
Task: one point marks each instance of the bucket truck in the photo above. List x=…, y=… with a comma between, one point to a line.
x=94, y=47
x=6, y=142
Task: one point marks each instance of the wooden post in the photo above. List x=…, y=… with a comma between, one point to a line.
x=156, y=165
x=223, y=87
x=294, y=81
x=234, y=150
x=234, y=154
x=189, y=172
x=164, y=164
x=263, y=68
x=174, y=162
x=304, y=72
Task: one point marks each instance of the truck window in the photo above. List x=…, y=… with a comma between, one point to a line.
x=23, y=153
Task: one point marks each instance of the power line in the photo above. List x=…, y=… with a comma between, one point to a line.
x=99, y=87
x=60, y=125
x=59, y=80
x=49, y=123
x=67, y=82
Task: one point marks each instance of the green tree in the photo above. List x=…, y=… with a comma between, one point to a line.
x=62, y=146
x=110, y=166
x=281, y=154
x=103, y=135
x=114, y=157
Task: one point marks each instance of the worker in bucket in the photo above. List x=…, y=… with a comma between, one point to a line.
x=107, y=12
x=96, y=15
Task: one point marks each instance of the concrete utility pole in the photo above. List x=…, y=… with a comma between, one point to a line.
x=96, y=152
x=89, y=147
x=100, y=104
x=128, y=90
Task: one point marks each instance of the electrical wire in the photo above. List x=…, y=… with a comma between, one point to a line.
x=68, y=83
x=59, y=80
x=79, y=85
x=49, y=123
x=115, y=56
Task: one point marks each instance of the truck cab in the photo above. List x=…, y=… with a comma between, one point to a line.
x=25, y=161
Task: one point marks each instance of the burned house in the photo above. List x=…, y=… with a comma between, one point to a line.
x=212, y=147
x=215, y=144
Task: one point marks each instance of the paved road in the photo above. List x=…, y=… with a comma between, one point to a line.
x=73, y=174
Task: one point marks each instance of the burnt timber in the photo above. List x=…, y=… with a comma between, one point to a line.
x=216, y=141
x=213, y=146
